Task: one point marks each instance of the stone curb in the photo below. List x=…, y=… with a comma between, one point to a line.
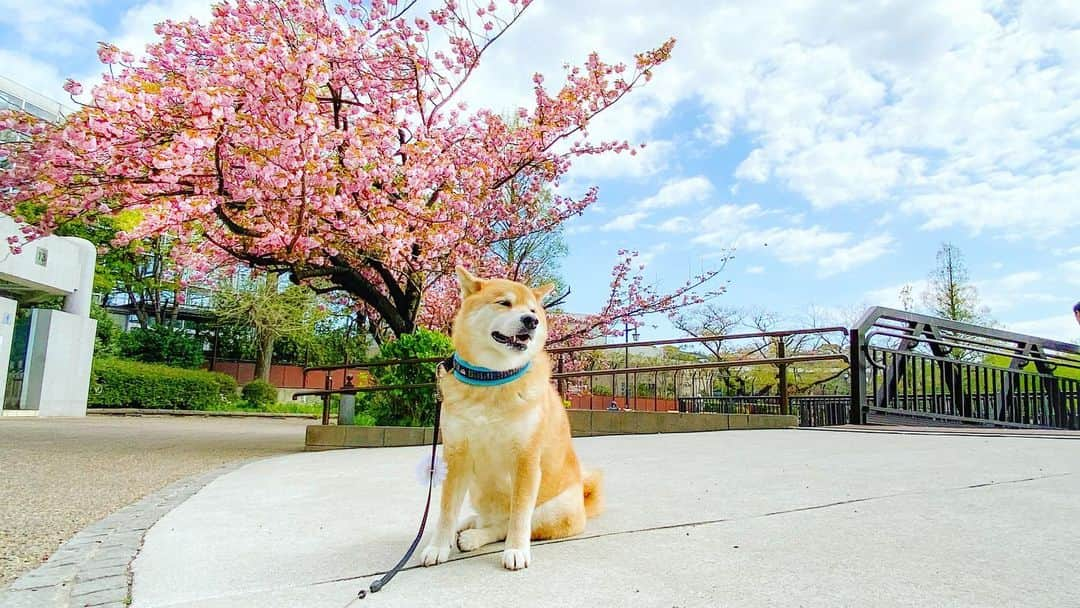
x=127, y=411
x=93, y=568
x=583, y=423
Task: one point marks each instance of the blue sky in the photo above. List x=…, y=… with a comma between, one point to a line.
x=829, y=146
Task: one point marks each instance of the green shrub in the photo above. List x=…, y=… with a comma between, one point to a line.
x=108, y=335
x=161, y=344
x=407, y=407
x=118, y=383
x=259, y=393
x=603, y=390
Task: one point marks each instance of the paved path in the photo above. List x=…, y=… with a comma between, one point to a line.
x=737, y=518
x=59, y=475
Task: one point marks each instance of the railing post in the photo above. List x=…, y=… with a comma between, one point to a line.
x=858, y=377
x=561, y=389
x=347, y=404
x=326, y=400
x=781, y=377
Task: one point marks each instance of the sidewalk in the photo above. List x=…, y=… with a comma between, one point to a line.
x=736, y=518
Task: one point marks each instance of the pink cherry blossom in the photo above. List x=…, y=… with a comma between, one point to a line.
x=286, y=136
x=72, y=87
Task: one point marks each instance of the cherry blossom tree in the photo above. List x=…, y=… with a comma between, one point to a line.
x=327, y=142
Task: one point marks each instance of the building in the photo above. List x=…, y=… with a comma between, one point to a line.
x=14, y=96
x=47, y=352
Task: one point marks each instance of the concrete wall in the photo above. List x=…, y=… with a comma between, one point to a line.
x=51, y=264
x=60, y=352
x=583, y=423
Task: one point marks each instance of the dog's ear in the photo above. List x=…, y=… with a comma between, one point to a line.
x=543, y=291
x=468, y=283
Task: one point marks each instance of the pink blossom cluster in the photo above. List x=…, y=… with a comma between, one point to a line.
x=326, y=141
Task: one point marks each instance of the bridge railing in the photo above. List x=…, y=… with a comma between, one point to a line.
x=588, y=379
x=917, y=369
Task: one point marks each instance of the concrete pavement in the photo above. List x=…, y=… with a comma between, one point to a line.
x=736, y=518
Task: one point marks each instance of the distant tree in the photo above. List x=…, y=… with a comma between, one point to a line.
x=141, y=271
x=950, y=294
x=907, y=298
x=270, y=311
x=709, y=320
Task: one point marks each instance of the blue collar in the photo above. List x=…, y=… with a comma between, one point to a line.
x=482, y=376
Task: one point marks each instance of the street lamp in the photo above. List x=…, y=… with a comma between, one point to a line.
x=626, y=359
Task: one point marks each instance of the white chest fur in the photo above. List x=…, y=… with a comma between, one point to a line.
x=495, y=425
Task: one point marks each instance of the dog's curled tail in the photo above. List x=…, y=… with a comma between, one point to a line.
x=594, y=495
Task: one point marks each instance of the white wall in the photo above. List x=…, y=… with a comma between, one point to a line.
x=61, y=273
x=59, y=355
x=7, y=329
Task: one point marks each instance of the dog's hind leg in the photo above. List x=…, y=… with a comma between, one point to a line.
x=473, y=538
x=470, y=522
x=561, y=516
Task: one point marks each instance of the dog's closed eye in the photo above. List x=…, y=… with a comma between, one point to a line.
x=505, y=303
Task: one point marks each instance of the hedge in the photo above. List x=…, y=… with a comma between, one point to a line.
x=259, y=393
x=118, y=383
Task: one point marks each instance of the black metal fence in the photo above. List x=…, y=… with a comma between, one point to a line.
x=915, y=369
x=812, y=410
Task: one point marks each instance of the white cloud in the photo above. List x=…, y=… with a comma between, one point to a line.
x=723, y=225
x=49, y=27
x=755, y=270
x=138, y=22
x=1014, y=291
x=627, y=221
x=1070, y=272
x=679, y=192
x=794, y=245
x=643, y=162
x=961, y=114
x=676, y=224
x=646, y=257
x=578, y=228
x=673, y=193
x=1006, y=295
x=736, y=227
x=1061, y=327
x=844, y=259
x=889, y=296
x=39, y=76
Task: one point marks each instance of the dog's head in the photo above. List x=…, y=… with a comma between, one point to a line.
x=501, y=324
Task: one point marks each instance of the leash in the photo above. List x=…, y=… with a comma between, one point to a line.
x=469, y=374
x=448, y=365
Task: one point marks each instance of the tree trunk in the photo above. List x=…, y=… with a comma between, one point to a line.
x=264, y=355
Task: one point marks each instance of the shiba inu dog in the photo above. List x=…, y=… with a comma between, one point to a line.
x=506, y=434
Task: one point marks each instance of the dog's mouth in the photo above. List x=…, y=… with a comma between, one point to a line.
x=517, y=342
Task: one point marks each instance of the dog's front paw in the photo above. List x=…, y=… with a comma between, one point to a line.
x=435, y=554
x=516, y=559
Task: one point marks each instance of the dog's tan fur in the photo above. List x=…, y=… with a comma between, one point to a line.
x=508, y=447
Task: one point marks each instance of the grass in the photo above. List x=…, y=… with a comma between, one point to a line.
x=312, y=409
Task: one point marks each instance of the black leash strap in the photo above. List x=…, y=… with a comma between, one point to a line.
x=377, y=586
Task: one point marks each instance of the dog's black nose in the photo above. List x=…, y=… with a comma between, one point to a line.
x=530, y=321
